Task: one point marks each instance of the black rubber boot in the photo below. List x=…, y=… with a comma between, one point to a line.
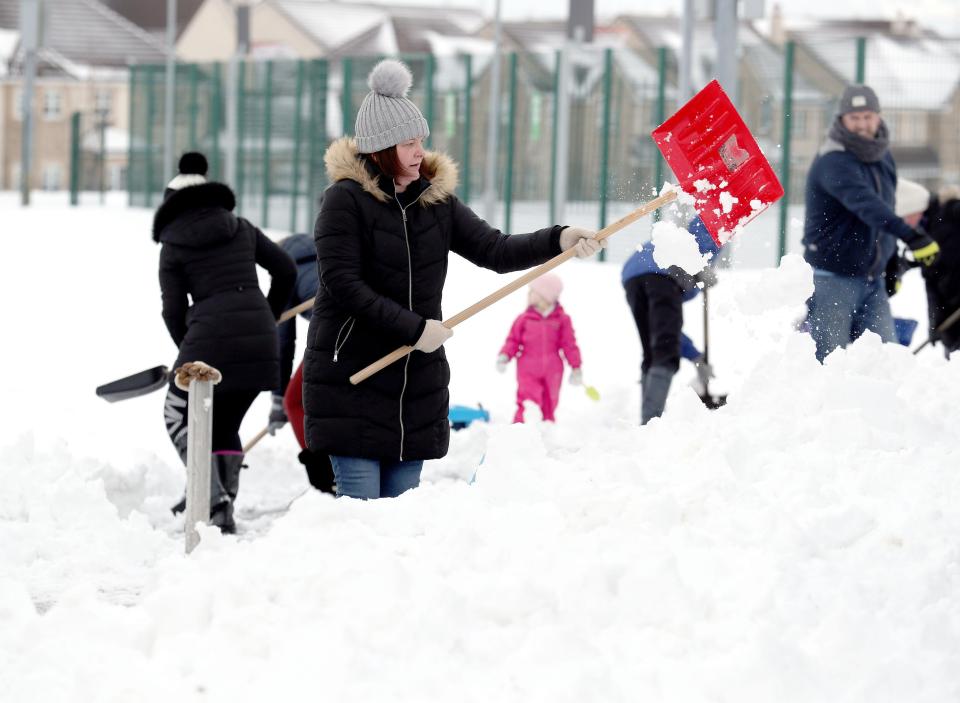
x=656, y=386
x=228, y=467
x=319, y=471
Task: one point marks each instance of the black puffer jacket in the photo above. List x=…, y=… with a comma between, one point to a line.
x=382, y=272
x=943, y=278
x=211, y=255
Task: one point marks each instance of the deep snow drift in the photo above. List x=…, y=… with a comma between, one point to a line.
x=799, y=544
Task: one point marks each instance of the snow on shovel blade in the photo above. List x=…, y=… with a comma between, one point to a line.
x=708, y=146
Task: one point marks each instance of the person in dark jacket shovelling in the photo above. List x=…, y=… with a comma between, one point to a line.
x=210, y=256
x=387, y=225
x=849, y=222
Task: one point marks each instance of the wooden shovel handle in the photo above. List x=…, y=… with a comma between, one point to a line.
x=296, y=310
x=520, y=282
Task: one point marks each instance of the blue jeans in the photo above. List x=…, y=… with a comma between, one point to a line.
x=370, y=478
x=842, y=308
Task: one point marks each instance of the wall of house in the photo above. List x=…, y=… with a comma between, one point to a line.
x=211, y=34
x=54, y=101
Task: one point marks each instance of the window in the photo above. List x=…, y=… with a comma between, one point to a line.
x=51, y=176
x=14, y=181
x=17, y=105
x=103, y=102
x=799, y=127
x=52, y=105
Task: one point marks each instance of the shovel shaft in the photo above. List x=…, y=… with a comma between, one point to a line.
x=518, y=283
x=946, y=324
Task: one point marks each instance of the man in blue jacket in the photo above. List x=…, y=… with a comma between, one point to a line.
x=850, y=226
x=656, y=297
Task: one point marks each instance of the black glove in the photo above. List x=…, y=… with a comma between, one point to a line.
x=923, y=247
x=278, y=416
x=708, y=277
x=893, y=275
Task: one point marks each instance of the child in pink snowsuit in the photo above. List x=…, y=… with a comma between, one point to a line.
x=536, y=338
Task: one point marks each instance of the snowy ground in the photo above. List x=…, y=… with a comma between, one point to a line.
x=799, y=544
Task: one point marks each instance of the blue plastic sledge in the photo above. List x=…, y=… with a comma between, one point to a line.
x=462, y=415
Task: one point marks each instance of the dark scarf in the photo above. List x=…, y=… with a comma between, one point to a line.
x=866, y=150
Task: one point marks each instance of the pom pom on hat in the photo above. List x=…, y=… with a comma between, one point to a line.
x=911, y=198
x=391, y=78
x=193, y=171
x=193, y=162
x=548, y=286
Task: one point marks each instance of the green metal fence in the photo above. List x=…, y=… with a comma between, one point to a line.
x=285, y=113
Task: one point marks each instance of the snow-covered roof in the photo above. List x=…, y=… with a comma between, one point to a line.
x=88, y=32
x=333, y=24
x=920, y=73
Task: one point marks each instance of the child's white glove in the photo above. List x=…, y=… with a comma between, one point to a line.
x=502, y=361
x=433, y=336
x=582, y=240
x=576, y=377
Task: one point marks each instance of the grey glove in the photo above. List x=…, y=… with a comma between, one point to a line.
x=278, y=416
x=433, y=336
x=708, y=277
x=576, y=377
x=582, y=240
x=704, y=370
x=502, y=361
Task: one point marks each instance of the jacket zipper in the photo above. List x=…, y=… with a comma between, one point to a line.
x=338, y=345
x=406, y=362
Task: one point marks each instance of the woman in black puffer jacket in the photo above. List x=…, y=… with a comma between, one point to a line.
x=387, y=224
x=211, y=255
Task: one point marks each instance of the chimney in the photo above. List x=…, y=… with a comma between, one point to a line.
x=778, y=32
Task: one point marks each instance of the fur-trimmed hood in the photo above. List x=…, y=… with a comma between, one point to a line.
x=213, y=198
x=345, y=163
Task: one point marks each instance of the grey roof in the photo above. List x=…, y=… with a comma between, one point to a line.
x=87, y=33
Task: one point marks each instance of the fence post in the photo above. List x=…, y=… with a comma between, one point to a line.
x=215, y=119
x=558, y=63
x=295, y=183
x=467, y=126
x=346, y=65
x=241, y=124
x=511, y=136
x=429, y=93
x=199, y=380
x=131, y=132
x=75, y=158
x=148, y=146
x=267, y=119
x=194, y=106
x=785, y=141
x=605, y=139
x=318, y=119
x=861, y=75
x=659, y=117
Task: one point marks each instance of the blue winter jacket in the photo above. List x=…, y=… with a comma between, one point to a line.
x=303, y=251
x=850, y=218
x=641, y=263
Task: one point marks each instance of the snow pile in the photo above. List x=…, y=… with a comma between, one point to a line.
x=798, y=544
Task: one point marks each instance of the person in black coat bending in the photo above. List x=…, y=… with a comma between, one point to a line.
x=388, y=223
x=943, y=278
x=210, y=256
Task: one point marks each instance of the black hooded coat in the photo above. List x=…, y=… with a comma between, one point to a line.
x=210, y=257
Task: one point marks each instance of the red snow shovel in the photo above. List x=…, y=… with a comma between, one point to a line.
x=707, y=144
x=705, y=139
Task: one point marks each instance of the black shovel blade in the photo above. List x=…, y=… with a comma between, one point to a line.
x=137, y=384
x=712, y=402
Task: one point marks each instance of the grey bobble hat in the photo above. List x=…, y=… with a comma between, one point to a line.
x=386, y=116
x=856, y=98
